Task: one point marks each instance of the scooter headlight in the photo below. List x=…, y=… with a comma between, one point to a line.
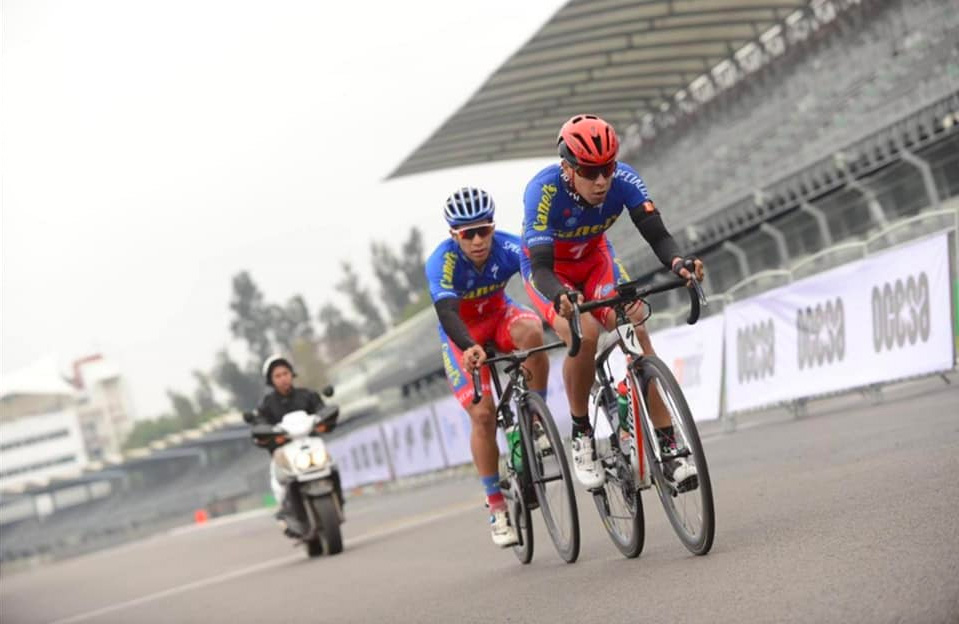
x=320, y=457
x=302, y=460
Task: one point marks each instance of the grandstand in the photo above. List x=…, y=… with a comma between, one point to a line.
x=829, y=123
x=780, y=138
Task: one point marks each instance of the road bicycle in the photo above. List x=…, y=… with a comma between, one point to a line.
x=537, y=470
x=632, y=455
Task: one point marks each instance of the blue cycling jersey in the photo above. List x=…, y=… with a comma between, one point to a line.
x=450, y=274
x=553, y=213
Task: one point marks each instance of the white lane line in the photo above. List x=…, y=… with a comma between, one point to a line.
x=398, y=527
x=242, y=516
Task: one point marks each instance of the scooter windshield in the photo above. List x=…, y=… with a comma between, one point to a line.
x=297, y=424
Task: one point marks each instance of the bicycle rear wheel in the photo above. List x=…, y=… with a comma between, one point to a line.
x=689, y=511
x=520, y=517
x=552, y=481
x=618, y=502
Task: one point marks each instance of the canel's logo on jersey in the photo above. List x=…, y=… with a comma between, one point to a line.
x=449, y=263
x=542, y=210
x=483, y=291
x=452, y=373
x=587, y=230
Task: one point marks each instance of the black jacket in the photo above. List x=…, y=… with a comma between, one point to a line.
x=275, y=406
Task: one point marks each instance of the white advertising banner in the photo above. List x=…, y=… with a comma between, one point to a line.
x=556, y=394
x=694, y=353
x=875, y=320
x=454, y=425
x=414, y=442
x=361, y=457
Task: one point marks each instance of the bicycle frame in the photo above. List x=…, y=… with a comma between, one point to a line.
x=633, y=353
x=626, y=330
x=516, y=389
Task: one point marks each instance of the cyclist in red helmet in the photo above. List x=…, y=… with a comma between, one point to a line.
x=568, y=208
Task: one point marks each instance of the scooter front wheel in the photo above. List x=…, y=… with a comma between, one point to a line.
x=328, y=516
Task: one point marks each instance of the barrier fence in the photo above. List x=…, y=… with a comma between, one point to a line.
x=886, y=317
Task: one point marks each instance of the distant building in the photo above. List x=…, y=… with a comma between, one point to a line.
x=40, y=435
x=104, y=409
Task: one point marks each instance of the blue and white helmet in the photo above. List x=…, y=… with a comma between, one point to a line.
x=468, y=205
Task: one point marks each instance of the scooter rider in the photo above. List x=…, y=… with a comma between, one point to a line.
x=278, y=373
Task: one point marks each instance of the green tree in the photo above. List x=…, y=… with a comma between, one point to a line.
x=251, y=316
x=362, y=302
x=310, y=367
x=290, y=323
x=203, y=395
x=183, y=410
x=146, y=431
x=245, y=387
x=412, y=261
x=341, y=336
x=388, y=269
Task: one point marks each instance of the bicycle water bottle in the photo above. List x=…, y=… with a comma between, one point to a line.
x=622, y=405
x=514, y=445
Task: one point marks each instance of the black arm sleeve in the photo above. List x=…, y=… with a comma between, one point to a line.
x=448, y=311
x=651, y=226
x=545, y=281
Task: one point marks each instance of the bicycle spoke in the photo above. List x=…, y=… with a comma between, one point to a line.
x=688, y=504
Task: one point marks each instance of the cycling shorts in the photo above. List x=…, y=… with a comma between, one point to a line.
x=491, y=329
x=595, y=274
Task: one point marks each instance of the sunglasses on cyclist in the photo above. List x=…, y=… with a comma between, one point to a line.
x=593, y=172
x=468, y=233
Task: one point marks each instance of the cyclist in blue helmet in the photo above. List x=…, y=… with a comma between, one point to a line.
x=467, y=276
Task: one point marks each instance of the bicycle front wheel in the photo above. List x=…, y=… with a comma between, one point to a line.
x=552, y=481
x=689, y=506
x=618, y=502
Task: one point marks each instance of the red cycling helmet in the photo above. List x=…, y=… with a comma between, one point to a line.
x=587, y=140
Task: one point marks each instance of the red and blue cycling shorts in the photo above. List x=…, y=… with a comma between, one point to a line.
x=594, y=274
x=492, y=328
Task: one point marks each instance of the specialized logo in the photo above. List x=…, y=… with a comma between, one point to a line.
x=449, y=264
x=542, y=209
x=452, y=371
x=756, y=351
x=900, y=313
x=821, y=334
x=494, y=270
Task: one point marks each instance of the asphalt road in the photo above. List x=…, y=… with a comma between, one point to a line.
x=850, y=514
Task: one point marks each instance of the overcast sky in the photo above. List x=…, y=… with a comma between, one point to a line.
x=154, y=148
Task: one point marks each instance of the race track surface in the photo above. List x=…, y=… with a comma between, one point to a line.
x=849, y=514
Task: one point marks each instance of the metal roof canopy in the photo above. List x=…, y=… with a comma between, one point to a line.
x=619, y=59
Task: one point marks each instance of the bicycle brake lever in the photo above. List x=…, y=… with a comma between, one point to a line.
x=575, y=331
x=477, y=386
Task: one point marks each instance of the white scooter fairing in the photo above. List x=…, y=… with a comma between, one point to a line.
x=305, y=457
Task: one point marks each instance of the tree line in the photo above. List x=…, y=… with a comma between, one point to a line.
x=313, y=341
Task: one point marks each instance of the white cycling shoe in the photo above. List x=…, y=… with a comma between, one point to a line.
x=503, y=532
x=681, y=474
x=589, y=470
